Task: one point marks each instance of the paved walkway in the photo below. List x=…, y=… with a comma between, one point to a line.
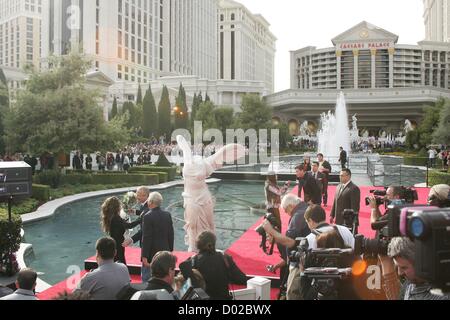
x=362, y=180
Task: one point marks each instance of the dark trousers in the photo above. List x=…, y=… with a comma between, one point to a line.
x=325, y=193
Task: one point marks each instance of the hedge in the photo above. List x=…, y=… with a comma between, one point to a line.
x=112, y=178
x=163, y=176
x=9, y=242
x=438, y=177
x=171, y=171
x=419, y=161
x=41, y=192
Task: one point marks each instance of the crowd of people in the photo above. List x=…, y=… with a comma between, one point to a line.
x=213, y=271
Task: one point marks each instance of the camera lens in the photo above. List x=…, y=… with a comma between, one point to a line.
x=417, y=228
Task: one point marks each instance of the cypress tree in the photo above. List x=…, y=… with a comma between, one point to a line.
x=181, y=113
x=139, y=95
x=114, y=110
x=4, y=108
x=164, y=125
x=150, y=115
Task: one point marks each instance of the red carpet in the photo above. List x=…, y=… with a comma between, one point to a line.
x=252, y=261
x=246, y=252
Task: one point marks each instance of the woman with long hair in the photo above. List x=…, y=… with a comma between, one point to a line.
x=307, y=164
x=113, y=225
x=273, y=195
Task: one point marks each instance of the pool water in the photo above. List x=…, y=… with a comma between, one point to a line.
x=69, y=237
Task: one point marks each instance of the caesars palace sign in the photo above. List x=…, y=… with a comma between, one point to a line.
x=365, y=45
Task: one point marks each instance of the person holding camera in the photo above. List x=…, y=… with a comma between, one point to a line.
x=273, y=195
x=307, y=184
x=315, y=218
x=392, y=193
x=439, y=196
x=295, y=208
x=403, y=253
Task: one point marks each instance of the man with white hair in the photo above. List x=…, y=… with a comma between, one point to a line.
x=157, y=233
x=298, y=228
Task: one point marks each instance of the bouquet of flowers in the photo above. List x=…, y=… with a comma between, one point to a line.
x=129, y=201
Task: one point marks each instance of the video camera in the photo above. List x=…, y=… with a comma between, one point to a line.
x=407, y=195
x=273, y=220
x=329, y=283
x=431, y=233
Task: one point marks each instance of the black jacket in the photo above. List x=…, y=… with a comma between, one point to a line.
x=157, y=284
x=348, y=198
x=311, y=189
x=157, y=233
x=138, y=236
x=218, y=270
x=117, y=229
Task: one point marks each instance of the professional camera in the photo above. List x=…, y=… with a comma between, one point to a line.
x=276, y=225
x=296, y=256
x=407, y=195
x=380, y=197
x=395, y=222
x=431, y=233
x=329, y=283
x=370, y=247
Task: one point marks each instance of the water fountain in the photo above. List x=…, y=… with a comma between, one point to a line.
x=335, y=132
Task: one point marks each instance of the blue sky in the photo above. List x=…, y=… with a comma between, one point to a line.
x=301, y=23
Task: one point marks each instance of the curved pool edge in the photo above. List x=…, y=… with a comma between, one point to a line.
x=48, y=209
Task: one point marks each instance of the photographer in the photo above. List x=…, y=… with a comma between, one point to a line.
x=392, y=193
x=315, y=217
x=295, y=208
x=345, y=291
x=439, y=196
x=402, y=251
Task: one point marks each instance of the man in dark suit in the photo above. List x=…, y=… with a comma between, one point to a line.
x=157, y=233
x=343, y=158
x=142, y=194
x=347, y=197
x=308, y=185
x=318, y=176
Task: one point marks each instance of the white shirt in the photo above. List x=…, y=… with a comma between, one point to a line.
x=432, y=153
x=345, y=233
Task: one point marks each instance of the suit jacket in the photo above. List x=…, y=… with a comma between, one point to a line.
x=138, y=236
x=343, y=157
x=320, y=180
x=348, y=198
x=157, y=233
x=311, y=189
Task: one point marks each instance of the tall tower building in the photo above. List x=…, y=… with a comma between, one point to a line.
x=20, y=33
x=124, y=38
x=192, y=41
x=437, y=20
x=246, y=45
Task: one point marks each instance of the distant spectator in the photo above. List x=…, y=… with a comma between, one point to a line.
x=105, y=282
x=25, y=284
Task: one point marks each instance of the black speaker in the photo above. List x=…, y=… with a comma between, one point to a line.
x=15, y=180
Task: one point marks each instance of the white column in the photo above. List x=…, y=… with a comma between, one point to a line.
x=234, y=98
x=220, y=94
x=356, y=67
x=373, y=53
x=391, y=67
x=338, y=70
